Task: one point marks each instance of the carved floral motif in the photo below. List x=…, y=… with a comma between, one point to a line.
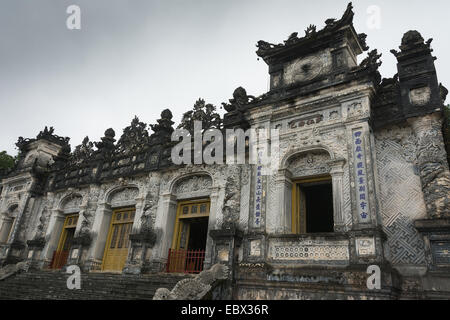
x=309, y=164
x=193, y=184
x=124, y=195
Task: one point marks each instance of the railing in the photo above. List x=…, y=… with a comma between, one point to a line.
x=59, y=259
x=184, y=261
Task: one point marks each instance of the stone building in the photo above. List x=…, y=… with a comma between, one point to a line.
x=362, y=180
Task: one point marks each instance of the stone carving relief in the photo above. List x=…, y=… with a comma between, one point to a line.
x=151, y=205
x=72, y=203
x=122, y=196
x=309, y=164
x=193, y=184
x=231, y=204
x=432, y=164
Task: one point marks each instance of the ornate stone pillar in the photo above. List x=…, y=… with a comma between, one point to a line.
x=212, y=223
x=81, y=241
x=432, y=164
x=337, y=174
x=141, y=242
x=100, y=229
x=280, y=221
x=435, y=178
x=225, y=251
x=53, y=233
x=164, y=227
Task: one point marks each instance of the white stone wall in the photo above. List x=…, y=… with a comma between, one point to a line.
x=400, y=194
x=318, y=132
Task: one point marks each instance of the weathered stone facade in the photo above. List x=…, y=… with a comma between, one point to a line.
x=379, y=141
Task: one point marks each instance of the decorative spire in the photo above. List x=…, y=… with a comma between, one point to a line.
x=134, y=139
x=265, y=48
x=239, y=101
x=412, y=42
x=206, y=113
x=163, y=129
x=82, y=152
x=106, y=147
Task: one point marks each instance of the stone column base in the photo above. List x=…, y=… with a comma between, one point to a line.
x=140, y=252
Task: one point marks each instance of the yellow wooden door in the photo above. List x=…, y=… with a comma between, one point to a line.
x=187, y=210
x=116, y=250
x=65, y=242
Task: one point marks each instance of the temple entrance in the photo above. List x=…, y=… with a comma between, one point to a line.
x=118, y=240
x=197, y=235
x=312, y=205
x=6, y=229
x=189, y=241
x=60, y=256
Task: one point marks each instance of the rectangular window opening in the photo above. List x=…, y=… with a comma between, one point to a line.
x=313, y=206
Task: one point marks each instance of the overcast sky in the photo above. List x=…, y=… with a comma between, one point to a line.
x=139, y=57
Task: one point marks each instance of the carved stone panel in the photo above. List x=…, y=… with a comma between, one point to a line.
x=309, y=251
x=123, y=197
x=193, y=184
x=72, y=204
x=309, y=164
x=307, y=68
x=420, y=96
x=365, y=246
x=400, y=195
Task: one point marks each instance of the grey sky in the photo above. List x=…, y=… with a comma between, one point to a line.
x=139, y=57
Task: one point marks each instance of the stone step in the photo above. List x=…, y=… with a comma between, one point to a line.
x=53, y=285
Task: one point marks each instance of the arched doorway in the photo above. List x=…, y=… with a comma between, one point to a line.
x=118, y=225
x=66, y=221
x=65, y=242
x=190, y=233
x=312, y=192
x=7, y=226
x=118, y=241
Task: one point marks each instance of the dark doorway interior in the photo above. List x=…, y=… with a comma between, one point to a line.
x=319, y=207
x=69, y=238
x=198, y=233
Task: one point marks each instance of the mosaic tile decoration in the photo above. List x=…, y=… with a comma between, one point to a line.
x=309, y=250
